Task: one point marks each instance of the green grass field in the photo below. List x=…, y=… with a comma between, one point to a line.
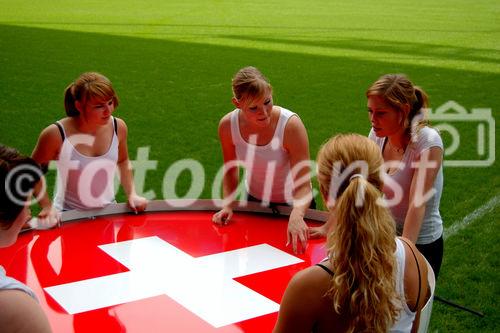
x=171, y=63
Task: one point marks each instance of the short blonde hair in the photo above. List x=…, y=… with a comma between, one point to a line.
x=250, y=83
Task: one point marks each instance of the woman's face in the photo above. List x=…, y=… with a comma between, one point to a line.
x=98, y=110
x=9, y=236
x=385, y=119
x=257, y=111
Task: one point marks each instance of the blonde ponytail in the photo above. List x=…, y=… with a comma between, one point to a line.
x=362, y=243
x=361, y=250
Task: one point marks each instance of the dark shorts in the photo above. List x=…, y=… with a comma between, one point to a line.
x=274, y=204
x=433, y=252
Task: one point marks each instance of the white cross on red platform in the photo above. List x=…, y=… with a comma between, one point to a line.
x=203, y=285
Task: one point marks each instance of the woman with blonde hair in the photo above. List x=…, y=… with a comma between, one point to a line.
x=413, y=152
x=271, y=143
x=88, y=145
x=371, y=280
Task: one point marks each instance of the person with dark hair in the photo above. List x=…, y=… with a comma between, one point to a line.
x=271, y=143
x=413, y=152
x=88, y=146
x=371, y=281
x=20, y=311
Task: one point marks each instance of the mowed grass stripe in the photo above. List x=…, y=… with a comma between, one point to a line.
x=470, y=218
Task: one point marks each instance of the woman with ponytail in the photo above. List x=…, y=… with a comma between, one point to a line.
x=413, y=152
x=88, y=145
x=371, y=280
x=265, y=139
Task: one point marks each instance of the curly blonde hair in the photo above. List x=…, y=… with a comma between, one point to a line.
x=361, y=245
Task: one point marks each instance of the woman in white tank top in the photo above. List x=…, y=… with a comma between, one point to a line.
x=88, y=146
x=396, y=108
x=271, y=143
x=371, y=280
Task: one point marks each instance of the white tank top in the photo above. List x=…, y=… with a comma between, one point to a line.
x=8, y=283
x=267, y=167
x=404, y=321
x=85, y=182
x=432, y=224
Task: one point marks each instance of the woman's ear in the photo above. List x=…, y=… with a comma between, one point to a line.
x=403, y=114
x=406, y=110
x=235, y=102
x=79, y=106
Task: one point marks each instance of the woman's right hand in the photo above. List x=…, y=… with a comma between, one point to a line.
x=318, y=232
x=49, y=217
x=223, y=216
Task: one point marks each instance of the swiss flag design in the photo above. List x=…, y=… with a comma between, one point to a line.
x=43, y=259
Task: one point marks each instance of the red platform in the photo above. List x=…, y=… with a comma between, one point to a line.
x=68, y=254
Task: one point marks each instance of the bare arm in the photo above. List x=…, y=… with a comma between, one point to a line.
x=21, y=313
x=46, y=150
x=297, y=145
x=136, y=202
x=231, y=175
x=429, y=162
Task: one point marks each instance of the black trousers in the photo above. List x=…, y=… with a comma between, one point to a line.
x=433, y=252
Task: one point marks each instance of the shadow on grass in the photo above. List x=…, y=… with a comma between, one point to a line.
x=402, y=48
x=445, y=52
x=229, y=26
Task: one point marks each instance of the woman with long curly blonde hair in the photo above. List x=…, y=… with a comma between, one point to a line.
x=371, y=280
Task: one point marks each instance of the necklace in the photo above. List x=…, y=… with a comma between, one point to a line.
x=400, y=150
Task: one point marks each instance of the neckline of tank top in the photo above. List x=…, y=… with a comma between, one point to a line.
x=258, y=146
x=99, y=156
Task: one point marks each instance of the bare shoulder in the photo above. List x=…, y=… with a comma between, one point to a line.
x=295, y=137
x=21, y=313
x=122, y=128
x=295, y=131
x=225, y=122
x=415, y=275
x=411, y=247
x=303, y=302
x=48, y=145
x=225, y=126
x=51, y=133
x=311, y=282
x=294, y=125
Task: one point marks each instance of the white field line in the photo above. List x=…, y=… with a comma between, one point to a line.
x=462, y=224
